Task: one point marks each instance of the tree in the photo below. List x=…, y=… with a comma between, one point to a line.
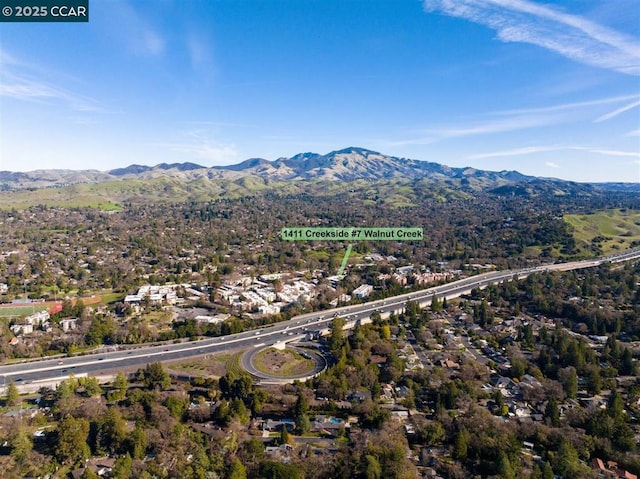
x=301, y=406
x=91, y=385
x=122, y=467
x=615, y=406
x=336, y=338
x=113, y=431
x=505, y=469
x=236, y=386
x=627, y=367
x=385, y=332
x=237, y=470
x=551, y=412
x=253, y=451
x=120, y=387
x=89, y=474
x=120, y=381
x=594, y=381
x=21, y=445
x=461, y=445
x=569, y=379
x=177, y=405
x=138, y=442
x=436, y=305
x=13, y=395
x=568, y=461
x=285, y=438
x=71, y=445
x=303, y=424
x=372, y=468
x=154, y=376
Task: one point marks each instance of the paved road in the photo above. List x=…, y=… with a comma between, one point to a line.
x=478, y=356
x=93, y=364
x=247, y=363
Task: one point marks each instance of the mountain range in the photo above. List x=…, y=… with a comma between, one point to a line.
x=348, y=164
x=304, y=171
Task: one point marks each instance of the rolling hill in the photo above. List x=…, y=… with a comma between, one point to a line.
x=400, y=181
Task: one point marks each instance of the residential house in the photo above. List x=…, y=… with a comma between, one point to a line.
x=610, y=470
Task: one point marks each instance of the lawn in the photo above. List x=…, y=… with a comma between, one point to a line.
x=22, y=310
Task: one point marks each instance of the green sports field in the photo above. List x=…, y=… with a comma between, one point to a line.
x=11, y=311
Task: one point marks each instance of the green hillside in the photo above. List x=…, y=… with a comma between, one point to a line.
x=394, y=193
x=606, y=231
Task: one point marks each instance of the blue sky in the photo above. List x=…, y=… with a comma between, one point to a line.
x=549, y=89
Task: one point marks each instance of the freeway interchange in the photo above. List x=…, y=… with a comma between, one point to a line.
x=49, y=371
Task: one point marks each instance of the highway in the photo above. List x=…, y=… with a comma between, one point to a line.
x=51, y=370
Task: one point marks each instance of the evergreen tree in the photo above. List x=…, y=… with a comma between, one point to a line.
x=113, y=431
x=285, y=438
x=237, y=470
x=571, y=385
x=461, y=445
x=372, y=468
x=551, y=412
x=138, y=442
x=627, y=367
x=436, y=306
x=71, y=445
x=122, y=467
x=154, y=376
x=336, y=337
x=21, y=445
x=13, y=395
x=89, y=474
x=505, y=469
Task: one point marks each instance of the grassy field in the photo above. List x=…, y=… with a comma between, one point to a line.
x=212, y=365
x=282, y=363
x=109, y=298
x=611, y=230
x=22, y=310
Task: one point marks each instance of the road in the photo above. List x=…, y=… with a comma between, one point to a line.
x=471, y=349
x=55, y=369
x=247, y=362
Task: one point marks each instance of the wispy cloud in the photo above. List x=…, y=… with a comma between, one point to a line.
x=633, y=133
x=503, y=121
x=486, y=126
x=134, y=30
x=23, y=82
x=152, y=42
x=527, y=150
x=530, y=150
x=619, y=111
x=572, y=106
x=571, y=36
x=199, y=48
x=631, y=154
x=551, y=164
